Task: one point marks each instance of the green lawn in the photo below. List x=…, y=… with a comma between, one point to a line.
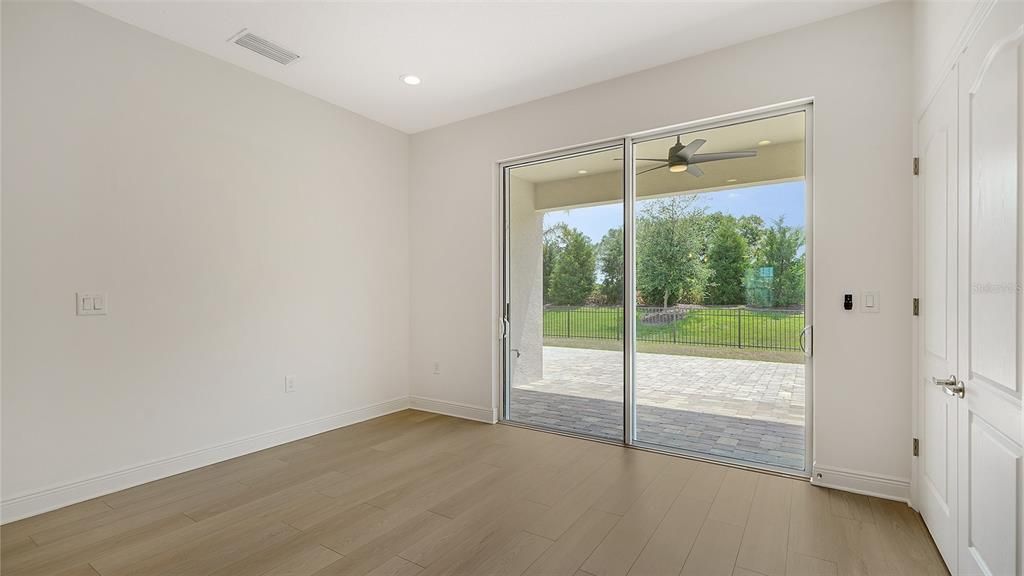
x=730, y=327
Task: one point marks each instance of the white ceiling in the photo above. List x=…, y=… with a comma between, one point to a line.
x=474, y=57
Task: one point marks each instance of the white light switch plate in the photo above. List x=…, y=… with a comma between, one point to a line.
x=870, y=301
x=289, y=384
x=91, y=304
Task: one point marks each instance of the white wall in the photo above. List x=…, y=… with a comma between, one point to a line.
x=857, y=69
x=241, y=230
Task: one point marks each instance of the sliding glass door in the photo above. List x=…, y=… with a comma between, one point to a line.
x=721, y=275
x=665, y=305
x=564, y=283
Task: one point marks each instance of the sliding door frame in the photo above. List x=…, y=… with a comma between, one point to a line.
x=504, y=170
x=626, y=143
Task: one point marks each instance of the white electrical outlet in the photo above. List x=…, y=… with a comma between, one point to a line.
x=289, y=384
x=91, y=304
x=437, y=367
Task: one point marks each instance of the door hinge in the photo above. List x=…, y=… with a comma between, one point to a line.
x=917, y=306
x=917, y=165
x=917, y=447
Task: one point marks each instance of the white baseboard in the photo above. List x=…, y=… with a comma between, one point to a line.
x=456, y=409
x=32, y=503
x=887, y=487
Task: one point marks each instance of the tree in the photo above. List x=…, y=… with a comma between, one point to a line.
x=751, y=227
x=706, y=226
x=669, y=268
x=728, y=263
x=780, y=253
x=610, y=263
x=572, y=278
x=553, y=244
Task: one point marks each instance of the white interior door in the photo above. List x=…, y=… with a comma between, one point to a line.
x=937, y=194
x=991, y=101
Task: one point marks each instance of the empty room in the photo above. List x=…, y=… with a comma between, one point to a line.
x=523, y=288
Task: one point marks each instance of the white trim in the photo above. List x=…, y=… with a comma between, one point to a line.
x=456, y=409
x=888, y=487
x=970, y=28
x=629, y=396
x=54, y=497
x=809, y=297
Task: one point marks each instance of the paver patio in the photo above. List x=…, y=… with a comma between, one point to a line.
x=742, y=409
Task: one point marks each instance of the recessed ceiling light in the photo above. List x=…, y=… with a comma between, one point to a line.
x=764, y=142
x=730, y=180
x=581, y=171
x=410, y=79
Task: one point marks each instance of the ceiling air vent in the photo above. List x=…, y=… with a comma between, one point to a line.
x=264, y=47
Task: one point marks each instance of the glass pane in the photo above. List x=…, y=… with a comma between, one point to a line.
x=720, y=276
x=565, y=294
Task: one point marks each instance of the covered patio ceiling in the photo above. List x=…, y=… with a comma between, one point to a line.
x=779, y=141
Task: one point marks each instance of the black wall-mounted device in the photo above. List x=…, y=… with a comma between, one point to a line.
x=847, y=301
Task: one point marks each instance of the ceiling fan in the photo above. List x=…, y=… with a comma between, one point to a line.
x=682, y=158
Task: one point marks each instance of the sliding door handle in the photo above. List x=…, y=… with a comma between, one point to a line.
x=804, y=341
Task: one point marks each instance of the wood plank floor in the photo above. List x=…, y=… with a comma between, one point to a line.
x=414, y=493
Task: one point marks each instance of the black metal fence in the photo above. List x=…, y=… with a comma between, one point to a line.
x=694, y=326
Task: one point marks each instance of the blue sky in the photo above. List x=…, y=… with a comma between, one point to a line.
x=769, y=202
